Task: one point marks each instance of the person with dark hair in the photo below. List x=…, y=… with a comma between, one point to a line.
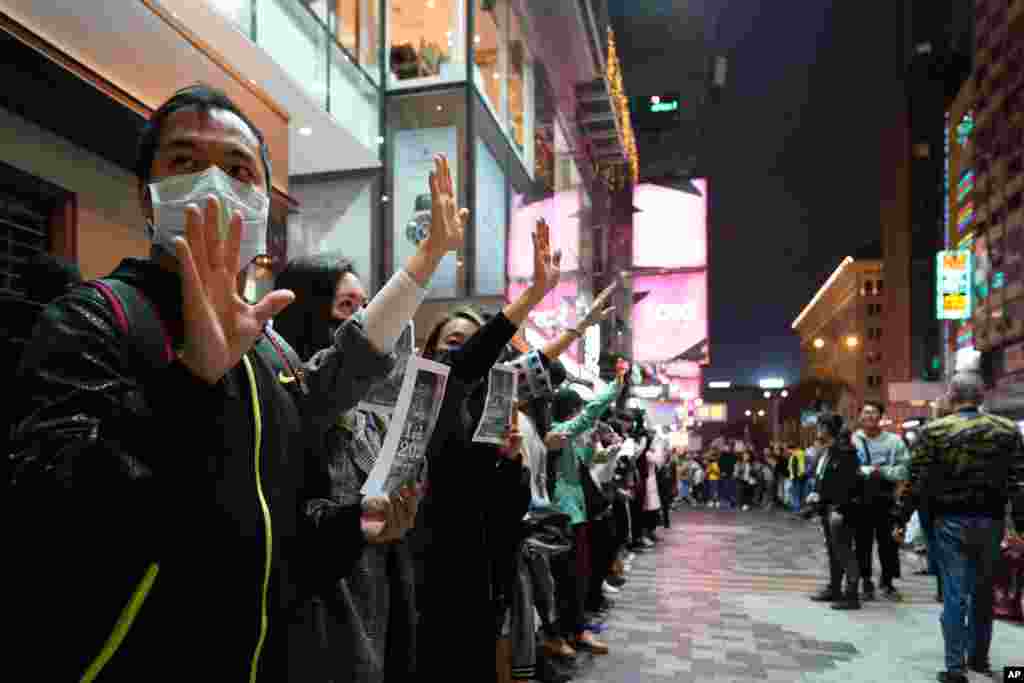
x=364, y=626
x=572, y=417
x=883, y=458
x=477, y=493
x=165, y=431
x=837, y=500
x=964, y=469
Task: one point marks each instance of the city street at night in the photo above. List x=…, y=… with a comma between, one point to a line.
x=724, y=597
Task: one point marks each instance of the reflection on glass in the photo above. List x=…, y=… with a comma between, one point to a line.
x=427, y=41
x=520, y=89
x=490, y=54
x=420, y=127
x=239, y=12
x=356, y=27
x=297, y=42
x=354, y=101
x=491, y=200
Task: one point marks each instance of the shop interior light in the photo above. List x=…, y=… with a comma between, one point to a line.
x=767, y=394
x=748, y=413
x=784, y=394
x=306, y=131
x=852, y=341
x=819, y=343
x=760, y=413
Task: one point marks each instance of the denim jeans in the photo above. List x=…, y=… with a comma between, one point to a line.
x=968, y=549
x=728, y=488
x=798, y=494
x=932, y=552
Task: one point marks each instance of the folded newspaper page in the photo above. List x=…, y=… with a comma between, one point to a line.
x=383, y=397
x=499, y=406
x=403, y=454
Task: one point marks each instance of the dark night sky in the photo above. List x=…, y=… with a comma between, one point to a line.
x=792, y=151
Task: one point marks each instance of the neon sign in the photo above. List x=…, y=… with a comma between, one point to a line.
x=965, y=186
x=965, y=216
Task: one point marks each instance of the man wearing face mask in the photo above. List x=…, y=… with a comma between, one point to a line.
x=170, y=515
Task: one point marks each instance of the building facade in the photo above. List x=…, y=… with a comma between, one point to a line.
x=843, y=336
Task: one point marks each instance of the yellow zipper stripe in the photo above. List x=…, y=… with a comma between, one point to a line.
x=266, y=520
x=123, y=624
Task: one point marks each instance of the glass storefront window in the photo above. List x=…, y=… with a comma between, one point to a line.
x=239, y=12
x=490, y=214
x=426, y=41
x=421, y=126
x=356, y=27
x=297, y=42
x=354, y=102
x=490, y=55
x=520, y=91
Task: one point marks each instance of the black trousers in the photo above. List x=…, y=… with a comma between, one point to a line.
x=603, y=551
x=875, y=524
x=835, y=570
x=843, y=531
x=571, y=584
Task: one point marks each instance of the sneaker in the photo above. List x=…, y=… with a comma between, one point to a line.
x=608, y=588
x=951, y=677
x=868, y=593
x=983, y=668
x=849, y=601
x=711, y=503
x=646, y=543
x=630, y=557
x=891, y=594
x=746, y=507
x=587, y=641
x=616, y=581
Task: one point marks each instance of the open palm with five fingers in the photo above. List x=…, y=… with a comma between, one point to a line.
x=600, y=311
x=447, y=220
x=220, y=326
x=547, y=266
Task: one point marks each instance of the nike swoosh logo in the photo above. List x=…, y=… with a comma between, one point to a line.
x=283, y=378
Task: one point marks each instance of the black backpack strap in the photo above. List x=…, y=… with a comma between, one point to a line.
x=138, y=319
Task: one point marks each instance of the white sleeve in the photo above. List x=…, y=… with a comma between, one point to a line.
x=391, y=309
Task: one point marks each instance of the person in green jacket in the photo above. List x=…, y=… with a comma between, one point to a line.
x=574, y=419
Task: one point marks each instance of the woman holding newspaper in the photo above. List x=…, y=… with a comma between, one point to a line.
x=362, y=629
x=475, y=492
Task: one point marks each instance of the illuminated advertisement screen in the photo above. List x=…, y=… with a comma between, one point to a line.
x=555, y=314
x=560, y=211
x=670, y=231
x=954, y=285
x=672, y=318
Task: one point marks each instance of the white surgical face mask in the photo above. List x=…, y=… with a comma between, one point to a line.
x=171, y=196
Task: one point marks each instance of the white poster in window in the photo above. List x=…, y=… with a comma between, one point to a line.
x=403, y=455
x=498, y=407
x=414, y=162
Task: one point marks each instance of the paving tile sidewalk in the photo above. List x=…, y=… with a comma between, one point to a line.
x=724, y=598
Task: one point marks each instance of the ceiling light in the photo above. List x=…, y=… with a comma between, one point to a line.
x=380, y=139
x=430, y=4
x=476, y=39
x=852, y=341
x=760, y=413
x=305, y=131
x=440, y=108
x=819, y=343
x=497, y=75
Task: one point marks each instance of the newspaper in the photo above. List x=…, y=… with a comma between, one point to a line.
x=403, y=455
x=534, y=380
x=498, y=407
x=383, y=396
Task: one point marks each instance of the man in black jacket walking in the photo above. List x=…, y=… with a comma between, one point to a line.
x=838, y=499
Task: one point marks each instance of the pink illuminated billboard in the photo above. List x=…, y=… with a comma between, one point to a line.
x=555, y=314
x=672, y=317
x=670, y=231
x=560, y=211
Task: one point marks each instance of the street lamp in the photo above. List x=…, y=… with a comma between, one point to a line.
x=767, y=394
x=749, y=413
x=819, y=343
x=760, y=413
x=785, y=393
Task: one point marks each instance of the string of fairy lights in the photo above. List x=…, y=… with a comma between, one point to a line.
x=618, y=175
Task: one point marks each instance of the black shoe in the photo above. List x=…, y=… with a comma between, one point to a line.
x=827, y=595
x=947, y=677
x=868, y=594
x=938, y=598
x=616, y=581
x=848, y=601
x=983, y=668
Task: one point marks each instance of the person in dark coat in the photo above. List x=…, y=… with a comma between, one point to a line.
x=168, y=513
x=476, y=496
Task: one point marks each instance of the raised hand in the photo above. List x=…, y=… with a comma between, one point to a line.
x=388, y=519
x=547, y=267
x=598, y=312
x=220, y=326
x=447, y=220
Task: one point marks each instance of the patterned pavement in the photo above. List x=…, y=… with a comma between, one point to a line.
x=724, y=598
